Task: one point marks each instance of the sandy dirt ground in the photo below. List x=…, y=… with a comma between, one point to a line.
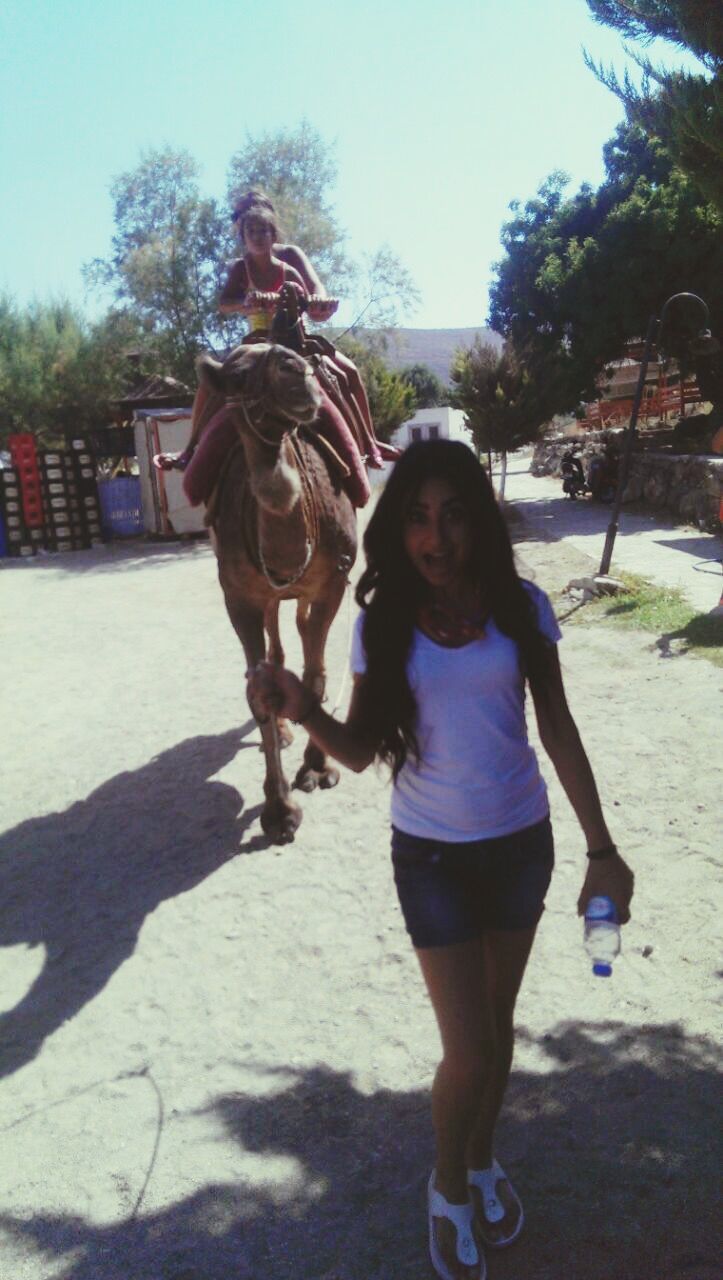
x=216, y=1054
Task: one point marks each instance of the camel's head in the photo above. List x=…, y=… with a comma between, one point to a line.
x=276, y=386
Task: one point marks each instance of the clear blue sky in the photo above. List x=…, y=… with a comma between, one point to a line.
x=440, y=115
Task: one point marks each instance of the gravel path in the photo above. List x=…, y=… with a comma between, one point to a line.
x=216, y=1054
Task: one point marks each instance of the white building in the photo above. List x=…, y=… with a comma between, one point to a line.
x=439, y=423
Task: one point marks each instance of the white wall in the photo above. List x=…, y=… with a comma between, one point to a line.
x=440, y=422
x=166, y=509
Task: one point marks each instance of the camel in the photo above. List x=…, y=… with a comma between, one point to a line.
x=283, y=528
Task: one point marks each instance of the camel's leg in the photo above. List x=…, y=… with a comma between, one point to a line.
x=280, y=816
x=314, y=627
x=275, y=654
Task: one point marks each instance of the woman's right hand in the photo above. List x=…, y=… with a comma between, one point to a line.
x=273, y=690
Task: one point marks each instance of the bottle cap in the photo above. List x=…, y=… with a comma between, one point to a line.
x=602, y=970
x=601, y=908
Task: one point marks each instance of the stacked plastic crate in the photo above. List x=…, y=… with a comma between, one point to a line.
x=15, y=538
x=83, y=467
x=70, y=493
x=48, y=498
x=22, y=498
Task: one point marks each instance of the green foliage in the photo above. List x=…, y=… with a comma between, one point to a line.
x=682, y=109
x=428, y=389
x=688, y=24
x=167, y=260
x=57, y=371
x=391, y=399
x=497, y=396
x=583, y=274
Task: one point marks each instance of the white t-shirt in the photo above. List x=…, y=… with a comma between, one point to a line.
x=477, y=776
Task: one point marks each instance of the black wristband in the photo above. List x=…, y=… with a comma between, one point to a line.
x=315, y=703
x=605, y=851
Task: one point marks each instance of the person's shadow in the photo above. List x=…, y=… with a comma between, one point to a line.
x=610, y=1147
x=80, y=883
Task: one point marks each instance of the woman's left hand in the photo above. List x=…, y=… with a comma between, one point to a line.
x=609, y=878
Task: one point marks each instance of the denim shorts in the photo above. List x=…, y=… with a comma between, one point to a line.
x=450, y=893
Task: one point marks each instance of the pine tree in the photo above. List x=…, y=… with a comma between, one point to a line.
x=682, y=109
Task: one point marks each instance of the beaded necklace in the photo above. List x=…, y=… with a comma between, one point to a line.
x=452, y=627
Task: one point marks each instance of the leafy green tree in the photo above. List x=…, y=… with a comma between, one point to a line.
x=499, y=400
x=167, y=259
x=682, y=109
x=427, y=387
x=58, y=372
x=583, y=274
x=391, y=398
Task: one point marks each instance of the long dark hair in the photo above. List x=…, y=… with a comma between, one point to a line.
x=390, y=591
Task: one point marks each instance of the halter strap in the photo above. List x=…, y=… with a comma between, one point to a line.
x=240, y=403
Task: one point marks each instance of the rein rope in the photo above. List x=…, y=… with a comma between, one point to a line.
x=308, y=503
x=240, y=402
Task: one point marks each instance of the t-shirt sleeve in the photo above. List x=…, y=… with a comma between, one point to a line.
x=546, y=620
x=358, y=658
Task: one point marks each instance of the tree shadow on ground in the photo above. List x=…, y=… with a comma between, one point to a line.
x=610, y=1144
x=546, y=519
x=702, y=548
x=112, y=557
x=82, y=882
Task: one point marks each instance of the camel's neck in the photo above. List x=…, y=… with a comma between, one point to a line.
x=282, y=524
x=273, y=476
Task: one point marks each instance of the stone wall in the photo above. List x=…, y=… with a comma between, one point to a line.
x=687, y=487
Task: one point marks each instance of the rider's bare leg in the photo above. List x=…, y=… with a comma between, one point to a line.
x=357, y=393
x=201, y=415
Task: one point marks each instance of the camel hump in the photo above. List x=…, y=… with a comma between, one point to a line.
x=210, y=372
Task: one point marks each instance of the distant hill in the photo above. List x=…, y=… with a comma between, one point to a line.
x=433, y=347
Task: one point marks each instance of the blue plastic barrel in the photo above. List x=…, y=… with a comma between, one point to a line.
x=120, y=506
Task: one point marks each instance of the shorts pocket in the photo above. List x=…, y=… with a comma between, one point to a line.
x=409, y=851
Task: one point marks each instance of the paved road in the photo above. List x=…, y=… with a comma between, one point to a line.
x=649, y=545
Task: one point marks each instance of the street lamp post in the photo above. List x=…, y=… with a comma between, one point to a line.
x=655, y=329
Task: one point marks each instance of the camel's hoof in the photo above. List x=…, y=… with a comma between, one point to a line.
x=306, y=780
x=281, y=825
x=309, y=779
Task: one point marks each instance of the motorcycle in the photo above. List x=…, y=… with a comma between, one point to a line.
x=573, y=478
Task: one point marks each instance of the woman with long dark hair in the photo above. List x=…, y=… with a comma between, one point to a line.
x=447, y=640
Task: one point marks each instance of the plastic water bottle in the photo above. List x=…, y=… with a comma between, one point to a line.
x=602, y=935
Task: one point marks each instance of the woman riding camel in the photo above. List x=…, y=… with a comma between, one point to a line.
x=253, y=287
